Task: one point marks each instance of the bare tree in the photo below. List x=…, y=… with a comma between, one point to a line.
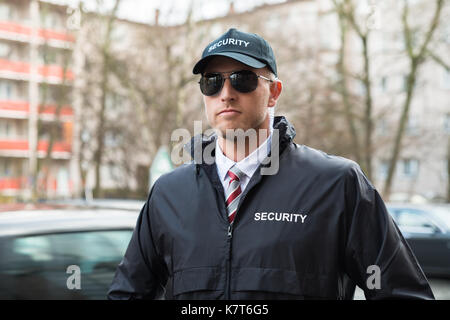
x=417, y=54
x=342, y=87
x=157, y=78
x=363, y=150
x=62, y=99
x=105, y=48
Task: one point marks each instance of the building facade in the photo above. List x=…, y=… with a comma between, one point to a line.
x=34, y=40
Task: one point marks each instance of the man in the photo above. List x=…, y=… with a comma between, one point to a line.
x=311, y=228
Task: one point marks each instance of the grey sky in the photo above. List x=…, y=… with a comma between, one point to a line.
x=172, y=11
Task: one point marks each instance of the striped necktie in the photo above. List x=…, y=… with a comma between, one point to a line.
x=233, y=192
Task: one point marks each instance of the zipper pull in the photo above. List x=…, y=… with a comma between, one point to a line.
x=230, y=230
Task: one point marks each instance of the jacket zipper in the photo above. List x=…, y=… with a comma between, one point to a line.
x=228, y=271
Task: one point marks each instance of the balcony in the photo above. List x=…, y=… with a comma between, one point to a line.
x=18, y=32
x=20, y=149
x=21, y=109
x=12, y=184
x=22, y=71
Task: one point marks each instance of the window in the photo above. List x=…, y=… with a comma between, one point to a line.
x=113, y=101
x=5, y=50
x=382, y=127
x=412, y=126
x=35, y=266
x=412, y=221
x=34, y=248
x=47, y=55
x=50, y=94
x=384, y=83
x=410, y=168
x=5, y=11
x=446, y=79
x=5, y=169
x=5, y=128
x=383, y=169
x=49, y=128
x=362, y=89
x=444, y=34
x=6, y=89
x=405, y=83
x=50, y=20
x=447, y=123
x=112, y=139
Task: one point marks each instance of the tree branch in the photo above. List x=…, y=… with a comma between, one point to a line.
x=438, y=60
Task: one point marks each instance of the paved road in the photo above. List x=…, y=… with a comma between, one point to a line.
x=440, y=287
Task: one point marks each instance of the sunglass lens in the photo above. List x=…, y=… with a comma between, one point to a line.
x=244, y=81
x=211, y=84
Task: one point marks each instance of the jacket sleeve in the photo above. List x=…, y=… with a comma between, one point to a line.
x=141, y=274
x=377, y=257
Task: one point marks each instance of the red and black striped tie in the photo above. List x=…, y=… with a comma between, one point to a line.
x=233, y=192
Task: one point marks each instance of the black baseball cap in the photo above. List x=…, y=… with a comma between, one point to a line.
x=248, y=48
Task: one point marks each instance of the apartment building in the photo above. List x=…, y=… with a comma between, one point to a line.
x=34, y=40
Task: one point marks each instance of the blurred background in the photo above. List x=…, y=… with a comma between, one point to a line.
x=91, y=91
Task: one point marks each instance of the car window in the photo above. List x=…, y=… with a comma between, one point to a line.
x=90, y=249
x=35, y=266
x=414, y=221
x=444, y=215
x=34, y=248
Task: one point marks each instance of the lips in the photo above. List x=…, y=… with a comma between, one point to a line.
x=228, y=112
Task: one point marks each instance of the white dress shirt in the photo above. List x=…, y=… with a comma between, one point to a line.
x=247, y=165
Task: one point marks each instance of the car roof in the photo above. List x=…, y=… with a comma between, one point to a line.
x=437, y=212
x=125, y=204
x=418, y=206
x=28, y=222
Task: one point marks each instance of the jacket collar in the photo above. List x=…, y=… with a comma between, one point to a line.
x=200, y=142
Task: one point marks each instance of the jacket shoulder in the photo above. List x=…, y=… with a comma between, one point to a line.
x=177, y=177
x=315, y=159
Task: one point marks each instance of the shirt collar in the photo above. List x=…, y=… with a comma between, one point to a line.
x=223, y=163
x=247, y=165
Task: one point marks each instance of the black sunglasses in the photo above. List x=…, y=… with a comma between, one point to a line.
x=243, y=81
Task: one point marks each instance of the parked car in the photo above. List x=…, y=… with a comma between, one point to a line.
x=426, y=228
x=38, y=246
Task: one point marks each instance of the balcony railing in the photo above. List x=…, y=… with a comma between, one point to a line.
x=20, y=110
x=16, y=31
x=13, y=183
x=20, y=148
x=21, y=70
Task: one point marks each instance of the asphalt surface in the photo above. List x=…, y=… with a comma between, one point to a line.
x=440, y=287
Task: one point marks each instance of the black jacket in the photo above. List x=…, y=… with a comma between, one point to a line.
x=310, y=231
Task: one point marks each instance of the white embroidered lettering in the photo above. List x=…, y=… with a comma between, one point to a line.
x=280, y=216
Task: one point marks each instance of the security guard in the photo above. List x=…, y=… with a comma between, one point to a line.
x=267, y=218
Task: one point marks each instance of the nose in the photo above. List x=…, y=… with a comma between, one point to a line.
x=228, y=93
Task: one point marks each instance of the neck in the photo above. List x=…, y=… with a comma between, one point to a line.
x=240, y=146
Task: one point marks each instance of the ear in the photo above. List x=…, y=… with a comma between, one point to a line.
x=275, y=90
